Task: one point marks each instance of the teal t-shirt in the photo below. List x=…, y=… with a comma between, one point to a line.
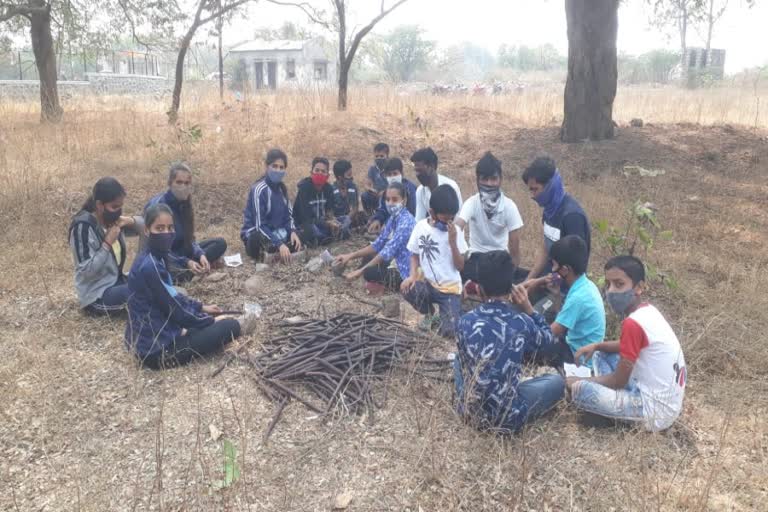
x=583, y=314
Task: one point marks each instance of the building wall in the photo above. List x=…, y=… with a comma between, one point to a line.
x=95, y=83
x=304, y=66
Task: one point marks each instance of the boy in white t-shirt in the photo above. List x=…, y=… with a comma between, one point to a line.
x=493, y=219
x=642, y=376
x=437, y=253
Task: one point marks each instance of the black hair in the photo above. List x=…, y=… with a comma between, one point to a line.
x=154, y=211
x=393, y=164
x=320, y=160
x=340, y=168
x=495, y=273
x=186, y=210
x=488, y=166
x=426, y=156
x=541, y=169
x=400, y=189
x=630, y=265
x=275, y=154
x=106, y=190
x=176, y=168
x=571, y=251
x=444, y=200
x=381, y=147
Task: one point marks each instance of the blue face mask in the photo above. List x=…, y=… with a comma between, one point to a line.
x=442, y=226
x=161, y=243
x=394, y=209
x=620, y=301
x=276, y=175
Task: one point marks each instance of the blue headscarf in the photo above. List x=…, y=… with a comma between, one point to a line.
x=552, y=196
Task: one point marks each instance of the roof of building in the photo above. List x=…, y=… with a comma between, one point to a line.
x=261, y=45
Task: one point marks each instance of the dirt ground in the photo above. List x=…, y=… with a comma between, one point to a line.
x=82, y=427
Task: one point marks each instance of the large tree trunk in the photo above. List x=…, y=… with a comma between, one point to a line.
x=173, y=113
x=45, y=59
x=592, y=73
x=343, y=85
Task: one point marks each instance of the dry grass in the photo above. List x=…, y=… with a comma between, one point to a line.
x=83, y=428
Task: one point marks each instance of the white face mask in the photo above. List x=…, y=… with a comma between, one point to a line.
x=395, y=179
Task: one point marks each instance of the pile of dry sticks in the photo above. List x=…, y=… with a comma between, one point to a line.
x=330, y=364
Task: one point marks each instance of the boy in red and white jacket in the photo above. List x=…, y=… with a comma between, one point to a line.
x=640, y=378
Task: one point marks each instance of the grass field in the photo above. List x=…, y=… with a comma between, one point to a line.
x=82, y=427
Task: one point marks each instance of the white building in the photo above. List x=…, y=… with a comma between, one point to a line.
x=286, y=64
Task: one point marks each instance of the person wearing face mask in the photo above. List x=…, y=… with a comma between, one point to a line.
x=99, y=250
x=493, y=219
x=641, y=378
x=376, y=182
x=188, y=257
x=393, y=172
x=268, y=226
x=386, y=261
x=166, y=328
x=562, y=215
x=437, y=248
x=581, y=320
x=314, y=206
x=346, y=203
x=425, y=164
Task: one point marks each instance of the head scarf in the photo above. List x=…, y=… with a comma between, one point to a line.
x=552, y=196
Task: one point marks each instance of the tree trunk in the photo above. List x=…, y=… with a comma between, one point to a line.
x=343, y=84
x=45, y=59
x=592, y=71
x=173, y=113
x=683, y=36
x=710, y=25
x=221, y=60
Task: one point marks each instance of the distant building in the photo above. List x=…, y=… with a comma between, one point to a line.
x=698, y=62
x=285, y=64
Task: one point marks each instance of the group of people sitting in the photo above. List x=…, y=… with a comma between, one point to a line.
x=420, y=251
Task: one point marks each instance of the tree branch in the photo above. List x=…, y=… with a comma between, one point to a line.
x=311, y=12
x=360, y=35
x=9, y=12
x=222, y=11
x=125, y=7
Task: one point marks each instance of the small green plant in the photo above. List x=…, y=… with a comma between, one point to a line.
x=231, y=469
x=637, y=238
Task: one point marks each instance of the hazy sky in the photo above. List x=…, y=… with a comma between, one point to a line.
x=489, y=23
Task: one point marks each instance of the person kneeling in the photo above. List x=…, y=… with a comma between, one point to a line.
x=166, y=328
x=437, y=249
x=492, y=341
x=640, y=378
x=386, y=262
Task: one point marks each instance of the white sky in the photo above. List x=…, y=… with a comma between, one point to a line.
x=489, y=23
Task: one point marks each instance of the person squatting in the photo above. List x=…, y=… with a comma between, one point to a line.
x=419, y=249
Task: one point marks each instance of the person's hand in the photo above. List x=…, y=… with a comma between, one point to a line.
x=451, y=233
x=224, y=317
x=285, y=254
x=351, y=276
x=570, y=381
x=586, y=352
x=112, y=234
x=406, y=285
x=211, y=309
x=342, y=259
x=195, y=267
x=125, y=221
x=533, y=284
x=205, y=263
x=296, y=241
x=519, y=296
x=374, y=227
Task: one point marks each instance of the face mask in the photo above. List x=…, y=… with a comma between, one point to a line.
x=275, y=175
x=425, y=179
x=395, y=179
x=181, y=192
x=395, y=209
x=350, y=181
x=490, y=197
x=160, y=243
x=110, y=216
x=620, y=301
x=442, y=226
x=380, y=162
x=319, y=180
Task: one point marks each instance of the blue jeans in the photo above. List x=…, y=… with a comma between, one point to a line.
x=423, y=297
x=112, y=301
x=620, y=404
x=539, y=393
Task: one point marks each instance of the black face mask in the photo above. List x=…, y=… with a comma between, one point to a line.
x=380, y=163
x=111, y=217
x=426, y=179
x=161, y=243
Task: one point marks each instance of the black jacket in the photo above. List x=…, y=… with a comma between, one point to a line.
x=312, y=205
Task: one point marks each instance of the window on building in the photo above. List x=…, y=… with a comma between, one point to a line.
x=290, y=69
x=321, y=70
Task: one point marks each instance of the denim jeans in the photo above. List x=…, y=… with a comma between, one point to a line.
x=620, y=404
x=423, y=297
x=539, y=393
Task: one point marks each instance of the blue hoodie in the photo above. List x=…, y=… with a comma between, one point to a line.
x=157, y=312
x=267, y=210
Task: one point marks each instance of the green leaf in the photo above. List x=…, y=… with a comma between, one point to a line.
x=645, y=237
x=231, y=471
x=672, y=283
x=666, y=235
x=601, y=226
